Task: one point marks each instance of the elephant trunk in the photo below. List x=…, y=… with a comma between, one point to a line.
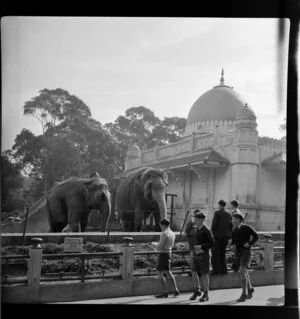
x=161, y=202
x=109, y=214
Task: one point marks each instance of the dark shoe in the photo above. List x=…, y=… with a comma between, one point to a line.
x=204, y=298
x=242, y=298
x=195, y=295
x=250, y=293
x=176, y=293
x=164, y=295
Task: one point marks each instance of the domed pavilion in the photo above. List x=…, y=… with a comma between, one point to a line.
x=221, y=156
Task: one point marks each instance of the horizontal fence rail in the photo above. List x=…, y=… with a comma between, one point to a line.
x=82, y=265
x=108, y=265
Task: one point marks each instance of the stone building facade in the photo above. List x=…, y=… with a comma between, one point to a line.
x=221, y=156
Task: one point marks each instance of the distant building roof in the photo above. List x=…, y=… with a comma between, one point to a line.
x=219, y=103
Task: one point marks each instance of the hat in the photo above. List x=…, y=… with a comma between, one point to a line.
x=195, y=212
x=238, y=215
x=199, y=215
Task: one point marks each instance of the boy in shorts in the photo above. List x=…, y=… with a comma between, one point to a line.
x=204, y=241
x=243, y=237
x=166, y=242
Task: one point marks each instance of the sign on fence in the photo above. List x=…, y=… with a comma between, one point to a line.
x=73, y=245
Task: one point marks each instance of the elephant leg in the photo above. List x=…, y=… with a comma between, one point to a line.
x=83, y=225
x=76, y=211
x=138, y=220
x=127, y=222
x=57, y=217
x=156, y=214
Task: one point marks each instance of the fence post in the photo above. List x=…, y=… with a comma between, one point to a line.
x=35, y=262
x=268, y=253
x=127, y=258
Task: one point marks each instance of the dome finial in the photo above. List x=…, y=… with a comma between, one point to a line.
x=222, y=78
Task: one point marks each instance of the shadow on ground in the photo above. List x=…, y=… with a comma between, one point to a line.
x=275, y=301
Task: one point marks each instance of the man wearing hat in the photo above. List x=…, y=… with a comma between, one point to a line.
x=164, y=246
x=204, y=241
x=243, y=237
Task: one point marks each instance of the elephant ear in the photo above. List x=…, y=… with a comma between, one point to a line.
x=84, y=189
x=144, y=175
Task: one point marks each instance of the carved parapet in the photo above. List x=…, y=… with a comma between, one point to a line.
x=269, y=141
x=210, y=125
x=203, y=142
x=172, y=150
x=149, y=156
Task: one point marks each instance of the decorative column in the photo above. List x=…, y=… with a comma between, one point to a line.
x=127, y=258
x=244, y=163
x=35, y=262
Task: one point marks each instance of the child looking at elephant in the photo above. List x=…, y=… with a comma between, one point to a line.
x=166, y=242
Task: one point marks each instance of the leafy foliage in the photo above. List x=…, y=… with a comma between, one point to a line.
x=72, y=143
x=11, y=181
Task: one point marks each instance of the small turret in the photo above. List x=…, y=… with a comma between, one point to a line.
x=133, y=157
x=246, y=118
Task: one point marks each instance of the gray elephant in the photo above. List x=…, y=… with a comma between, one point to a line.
x=69, y=203
x=140, y=193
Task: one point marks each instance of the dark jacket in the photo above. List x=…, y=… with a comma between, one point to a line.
x=205, y=238
x=190, y=230
x=221, y=224
x=241, y=236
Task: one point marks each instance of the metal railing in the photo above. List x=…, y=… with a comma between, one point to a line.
x=148, y=271
x=81, y=266
x=21, y=261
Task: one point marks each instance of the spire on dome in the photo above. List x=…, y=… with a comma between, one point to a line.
x=222, y=78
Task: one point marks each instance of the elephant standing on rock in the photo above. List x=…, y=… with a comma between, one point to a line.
x=140, y=193
x=69, y=203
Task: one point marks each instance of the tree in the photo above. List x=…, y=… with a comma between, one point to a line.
x=282, y=128
x=142, y=127
x=11, y=181
x=53, y=106
x=169, y=130
x=55, y=110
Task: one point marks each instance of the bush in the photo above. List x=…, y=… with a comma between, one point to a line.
x=15, y=250
x=51, y=248
x=90, y=247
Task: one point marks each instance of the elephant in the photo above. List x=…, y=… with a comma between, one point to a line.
x=69, y=203
x=141, y=192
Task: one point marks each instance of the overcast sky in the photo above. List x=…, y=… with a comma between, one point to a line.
x=164, y=64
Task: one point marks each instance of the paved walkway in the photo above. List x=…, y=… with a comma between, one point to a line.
x=263, y=296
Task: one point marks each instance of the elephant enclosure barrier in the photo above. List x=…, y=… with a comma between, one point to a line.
x=35, y=267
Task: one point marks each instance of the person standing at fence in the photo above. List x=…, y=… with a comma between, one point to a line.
x=243, y=237
x=234, y=210
x=204, y=241
x=221, y=228
x=190, y=231
x=164, y=246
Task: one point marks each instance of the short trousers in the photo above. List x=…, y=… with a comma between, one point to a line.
x=164, y=262
x=200, y=263
x=243, y=257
